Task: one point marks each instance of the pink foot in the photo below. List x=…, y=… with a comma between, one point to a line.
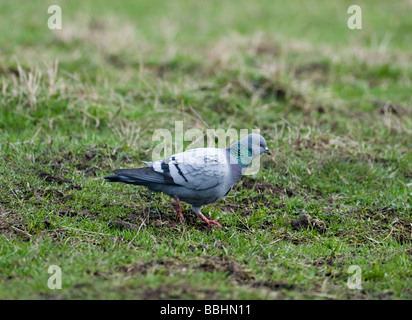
x=209, y=222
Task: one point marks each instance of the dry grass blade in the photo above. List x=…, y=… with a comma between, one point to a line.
x=138, y=231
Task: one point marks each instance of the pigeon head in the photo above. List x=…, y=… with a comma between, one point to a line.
x=248, y=148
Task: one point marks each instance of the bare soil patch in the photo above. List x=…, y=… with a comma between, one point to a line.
x=210, y=264
x=305, y=222
x=11, y=226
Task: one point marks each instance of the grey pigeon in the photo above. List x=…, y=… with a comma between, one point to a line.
x=199, y=176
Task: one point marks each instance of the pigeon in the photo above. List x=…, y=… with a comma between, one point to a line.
x=197, y=177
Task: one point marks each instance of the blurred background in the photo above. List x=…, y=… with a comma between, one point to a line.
x=209, y=56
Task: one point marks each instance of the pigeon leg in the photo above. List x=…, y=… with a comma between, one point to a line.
x=178, y=209
x=206, y=220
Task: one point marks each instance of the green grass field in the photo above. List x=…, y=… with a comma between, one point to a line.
x=334, y=105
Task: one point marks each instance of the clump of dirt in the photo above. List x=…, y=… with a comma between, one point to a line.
x=318, y=225
x=48, y=177
x=305, y=222
x=301, y=223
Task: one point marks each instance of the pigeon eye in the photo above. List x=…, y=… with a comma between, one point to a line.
x=260, y=145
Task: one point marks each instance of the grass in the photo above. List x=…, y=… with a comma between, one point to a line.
x=333, y=104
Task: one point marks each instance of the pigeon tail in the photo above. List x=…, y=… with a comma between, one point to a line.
x=140, y=176
x=125, y=179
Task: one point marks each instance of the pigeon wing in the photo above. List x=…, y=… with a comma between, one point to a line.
x=196, y=169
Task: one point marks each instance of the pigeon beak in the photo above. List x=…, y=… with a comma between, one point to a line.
x=267, y=151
